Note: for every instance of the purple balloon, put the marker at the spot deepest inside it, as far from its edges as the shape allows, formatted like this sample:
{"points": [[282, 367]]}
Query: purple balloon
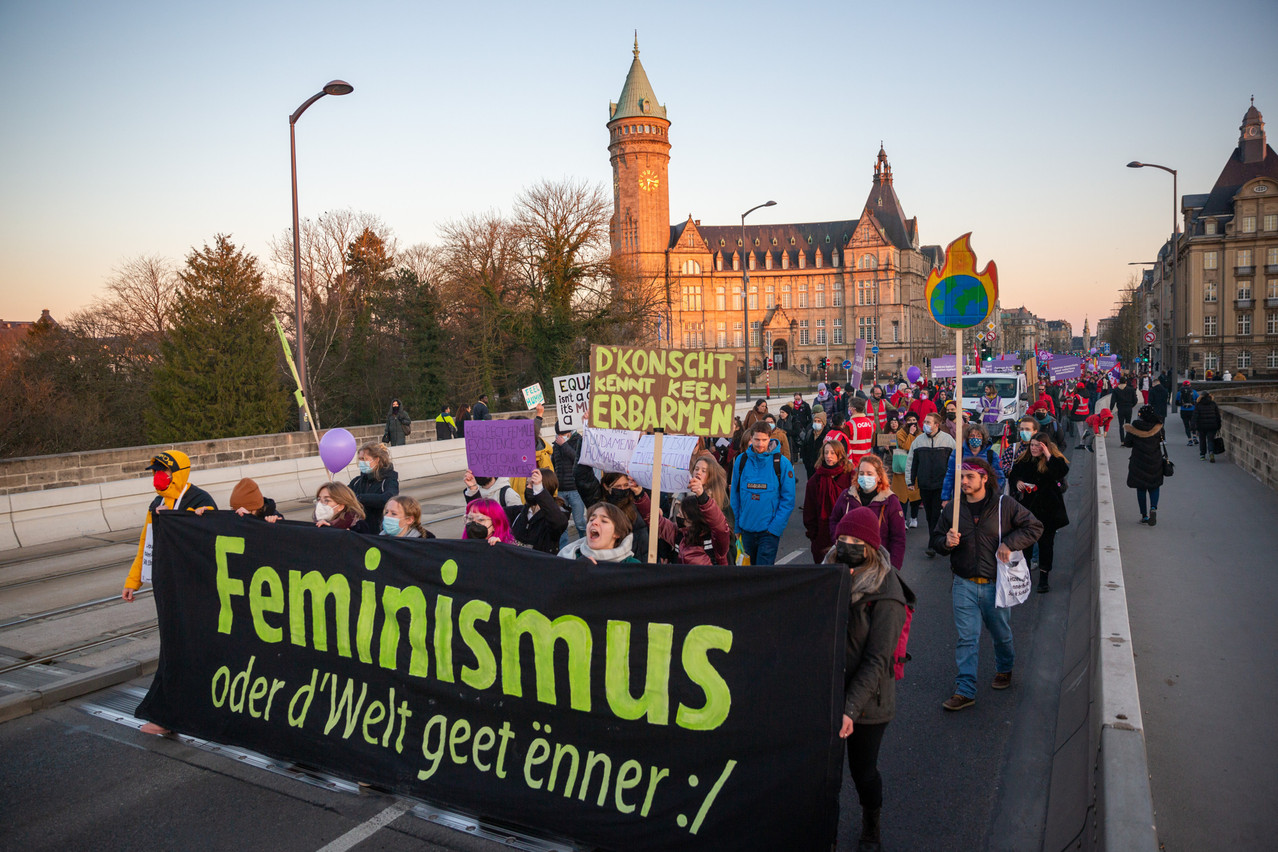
{"points": [[337, 448], [913, 374]]}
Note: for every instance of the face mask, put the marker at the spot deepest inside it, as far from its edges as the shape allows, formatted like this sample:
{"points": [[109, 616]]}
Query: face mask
{"points": [[323, 512], [476, 530], [161, 480], [1041, 418], [1026, 435], [618, 495], [849, 554], [365, 467], [974, 443], [867, 483], [390, 526], [950, 415], [927, 428], [922, 396]]}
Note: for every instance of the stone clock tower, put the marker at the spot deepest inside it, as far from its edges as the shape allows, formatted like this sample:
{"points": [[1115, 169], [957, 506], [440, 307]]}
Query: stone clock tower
{"points": [[639, 145]]}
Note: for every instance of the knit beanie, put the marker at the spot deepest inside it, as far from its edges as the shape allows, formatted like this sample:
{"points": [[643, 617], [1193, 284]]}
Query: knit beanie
{"points": [[246, 495], [862, 523]]}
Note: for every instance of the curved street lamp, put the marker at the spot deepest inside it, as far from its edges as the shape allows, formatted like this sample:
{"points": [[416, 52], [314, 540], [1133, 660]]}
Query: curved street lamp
{"points": [[333, 87], [1175, 362], [745, 293]]}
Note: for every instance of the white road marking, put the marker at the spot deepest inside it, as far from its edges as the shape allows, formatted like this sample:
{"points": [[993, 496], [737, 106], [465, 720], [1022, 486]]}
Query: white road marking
{"points": [[790, 557], [365, 830]]}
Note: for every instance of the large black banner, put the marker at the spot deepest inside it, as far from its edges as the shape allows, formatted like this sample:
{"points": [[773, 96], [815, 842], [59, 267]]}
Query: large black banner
{"points": [[624, 706]]}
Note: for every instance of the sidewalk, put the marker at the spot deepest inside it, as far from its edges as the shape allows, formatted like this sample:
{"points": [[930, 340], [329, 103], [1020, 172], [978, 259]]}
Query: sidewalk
{"points": [[1202, 593]]}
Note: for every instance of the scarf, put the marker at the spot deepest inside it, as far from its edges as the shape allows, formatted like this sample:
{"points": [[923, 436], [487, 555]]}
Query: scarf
{"points": [[624, 550], [827, 489]]}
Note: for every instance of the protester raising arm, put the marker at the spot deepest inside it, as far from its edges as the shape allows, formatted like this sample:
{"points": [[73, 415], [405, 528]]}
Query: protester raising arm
{"points": [[706, 538]]}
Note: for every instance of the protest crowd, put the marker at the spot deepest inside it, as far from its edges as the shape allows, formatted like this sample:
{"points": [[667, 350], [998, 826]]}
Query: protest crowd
{"points": [[869, 460]]}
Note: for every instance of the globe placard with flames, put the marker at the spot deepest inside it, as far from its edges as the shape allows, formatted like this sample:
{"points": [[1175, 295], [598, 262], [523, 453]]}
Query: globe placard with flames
{"points": [[958, 295]]}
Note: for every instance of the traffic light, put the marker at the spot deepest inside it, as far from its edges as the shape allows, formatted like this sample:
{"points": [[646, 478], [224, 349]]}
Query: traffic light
{"points": [[821, 362]]}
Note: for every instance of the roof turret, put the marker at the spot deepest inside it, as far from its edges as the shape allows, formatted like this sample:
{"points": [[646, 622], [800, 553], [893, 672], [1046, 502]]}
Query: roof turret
{"points": [[637, 99]]}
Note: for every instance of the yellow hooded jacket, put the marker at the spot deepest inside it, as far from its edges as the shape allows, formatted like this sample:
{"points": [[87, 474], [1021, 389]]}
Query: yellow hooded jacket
{"points": [[179, 495]]}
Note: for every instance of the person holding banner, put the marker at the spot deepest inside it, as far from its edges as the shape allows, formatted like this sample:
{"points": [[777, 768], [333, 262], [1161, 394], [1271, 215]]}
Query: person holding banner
{"points": [[173, 492], [609, 537], [926, 466], [402, 518], [377, 482], [486, 520], [762, 496], [494, 488], [876, 617], [337, 506]]}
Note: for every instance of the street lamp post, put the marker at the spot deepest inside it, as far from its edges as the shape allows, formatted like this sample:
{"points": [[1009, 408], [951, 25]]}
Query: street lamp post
{"points": [[745, 293], [1175, 365], [333, 87]]}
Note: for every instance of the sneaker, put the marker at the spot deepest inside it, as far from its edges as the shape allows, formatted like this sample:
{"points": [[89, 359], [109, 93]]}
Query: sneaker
{"points": [[1043, 587], [1191, 442], [1002, 680], [1153, 516], [957, 702], [1212, 458], [1080, 447], [1144, 519], [914, 522], [929, 553]]}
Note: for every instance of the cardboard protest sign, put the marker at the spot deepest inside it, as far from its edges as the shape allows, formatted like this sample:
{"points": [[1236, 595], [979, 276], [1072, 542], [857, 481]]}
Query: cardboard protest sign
{"points": [[943, 367], [501, 447], [608, 450], [572, 400], [533, 396], [676, 456], [612, 705], [682, 393], [1065, 368]]}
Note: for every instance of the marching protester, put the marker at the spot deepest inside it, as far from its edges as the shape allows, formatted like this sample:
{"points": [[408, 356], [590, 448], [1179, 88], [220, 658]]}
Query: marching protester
{"points": [[974, 549], [872, 490], [1158, 398], [951, 419], [480, 411], [495, 488], [543, 519], [907, 494], [876, 616], [486, 520], [337, 506], [877, 408], [1207, 421], [247, 500], [1047, 424], [926, 467], [1035, 479], [860, 429], [377, 482], [398, 425], [445, 426], [706, 537], [402, 517], [825, 486], [801, 414], [1080, 408], [1145, 466], [762, 496], [786, 426], [608, 537], [1123, 400], [976, 444], [779, 435], [1026, 428], [812, 448], [1186, 400], [628, 496], [921, 405], [563, 458], [756, 413]]}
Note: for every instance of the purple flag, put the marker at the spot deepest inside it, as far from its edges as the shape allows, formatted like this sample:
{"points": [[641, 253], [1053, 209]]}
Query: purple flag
{"points": [[858, 363]]}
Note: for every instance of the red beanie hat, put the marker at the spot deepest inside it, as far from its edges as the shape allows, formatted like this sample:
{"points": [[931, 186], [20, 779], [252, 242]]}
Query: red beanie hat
{"points": [[862, 523]]}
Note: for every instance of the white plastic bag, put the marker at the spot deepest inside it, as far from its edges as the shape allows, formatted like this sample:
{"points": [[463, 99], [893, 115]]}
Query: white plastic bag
{"points": [[1013, 576]]}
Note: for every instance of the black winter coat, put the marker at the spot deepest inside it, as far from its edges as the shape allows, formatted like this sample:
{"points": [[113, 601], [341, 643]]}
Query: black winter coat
{"points": [[874, 626], [1207, 415], [543, 529], [373, 494], [563, 458], [1124, 399], [1046, 501], [398, 425], [979, 541], [1145, 467], [1158, 397]]}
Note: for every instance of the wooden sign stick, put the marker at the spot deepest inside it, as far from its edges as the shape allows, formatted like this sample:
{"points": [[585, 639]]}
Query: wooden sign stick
{"points": [[958, 423], [654, 511]]}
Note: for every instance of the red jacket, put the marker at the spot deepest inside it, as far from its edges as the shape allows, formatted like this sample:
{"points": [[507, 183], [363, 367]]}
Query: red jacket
{"points": [[712, 550], [877, 410]]}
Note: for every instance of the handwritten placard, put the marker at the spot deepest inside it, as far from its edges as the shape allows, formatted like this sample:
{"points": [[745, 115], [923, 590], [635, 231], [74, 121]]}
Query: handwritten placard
{"points": [[572, 399], [608, 450], [676, 457], [680, 392], [500, 447], [533, 396]]}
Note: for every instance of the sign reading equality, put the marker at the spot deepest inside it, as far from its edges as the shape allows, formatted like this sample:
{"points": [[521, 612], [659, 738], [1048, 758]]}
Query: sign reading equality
{"points": [[572, 399], [680, 392], [611, 704]]}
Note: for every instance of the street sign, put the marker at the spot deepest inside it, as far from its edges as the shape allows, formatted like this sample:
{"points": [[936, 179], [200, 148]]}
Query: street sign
{"points": [[874, 349], [1150, 337], [990, 335], [990, 325], [1149, 326], [768, 362], [980, 335], [847, 365]]}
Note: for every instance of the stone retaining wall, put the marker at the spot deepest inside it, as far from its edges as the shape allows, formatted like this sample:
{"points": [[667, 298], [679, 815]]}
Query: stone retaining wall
{"points": [[1250, 432], [40, 473]]}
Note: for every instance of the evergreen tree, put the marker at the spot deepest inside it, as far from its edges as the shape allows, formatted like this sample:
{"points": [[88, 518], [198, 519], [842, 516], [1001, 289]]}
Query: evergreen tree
{"points": [[219, 373]]}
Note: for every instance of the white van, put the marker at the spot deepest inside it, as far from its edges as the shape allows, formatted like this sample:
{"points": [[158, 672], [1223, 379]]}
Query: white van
{"points": [[1013, 400]]}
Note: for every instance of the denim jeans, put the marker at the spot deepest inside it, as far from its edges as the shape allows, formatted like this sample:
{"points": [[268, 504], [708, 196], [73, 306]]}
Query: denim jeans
{"points": [[974, 604], [578, 508], [1140, 500], [761, 547]]}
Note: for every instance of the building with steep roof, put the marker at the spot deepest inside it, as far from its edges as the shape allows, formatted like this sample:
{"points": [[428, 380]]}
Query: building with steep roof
{"points": [[1227, 306], [814, 287]]}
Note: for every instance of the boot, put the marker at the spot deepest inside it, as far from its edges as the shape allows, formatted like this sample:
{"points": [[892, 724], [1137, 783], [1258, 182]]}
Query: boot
{"points": [[1043, 585], [870, 831]]}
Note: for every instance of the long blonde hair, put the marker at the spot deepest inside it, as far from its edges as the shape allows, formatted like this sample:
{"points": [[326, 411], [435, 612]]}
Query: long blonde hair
{"points": [[344, 496], [412, 512]]}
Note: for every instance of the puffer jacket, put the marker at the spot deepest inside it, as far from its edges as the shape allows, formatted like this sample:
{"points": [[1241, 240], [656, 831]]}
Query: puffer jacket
{"points": [[875, 621], [1207, 415], [927, 461], [1145, 467], [978, 528], [563, 457]]}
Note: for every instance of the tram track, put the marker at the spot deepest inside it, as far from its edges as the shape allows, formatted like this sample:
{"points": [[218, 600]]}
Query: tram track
{"points": [[78, 649]]}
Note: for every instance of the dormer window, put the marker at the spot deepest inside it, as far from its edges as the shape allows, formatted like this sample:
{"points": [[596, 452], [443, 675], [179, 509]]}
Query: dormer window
{"points": [[1209, 227]]}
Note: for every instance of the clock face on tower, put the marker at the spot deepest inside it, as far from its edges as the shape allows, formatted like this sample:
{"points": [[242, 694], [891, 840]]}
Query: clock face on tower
{"points": [[648, 180]]}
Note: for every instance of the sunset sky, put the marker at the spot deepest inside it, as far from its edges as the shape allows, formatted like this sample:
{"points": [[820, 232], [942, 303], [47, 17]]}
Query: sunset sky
{"points": [[147, 128]]}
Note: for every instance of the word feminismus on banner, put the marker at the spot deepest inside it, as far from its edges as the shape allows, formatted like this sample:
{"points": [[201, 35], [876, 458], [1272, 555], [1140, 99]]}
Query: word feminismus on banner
{"points": [[679, 392], [617, 705]]}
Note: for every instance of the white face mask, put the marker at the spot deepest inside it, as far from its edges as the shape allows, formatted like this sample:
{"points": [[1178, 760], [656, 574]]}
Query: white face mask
{"points": [[323, 512]]}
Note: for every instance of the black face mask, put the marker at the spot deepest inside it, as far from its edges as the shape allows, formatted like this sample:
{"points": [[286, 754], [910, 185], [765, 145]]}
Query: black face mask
{"points": [[617, 496], [950, 415], [851, 555], [476, 530]]}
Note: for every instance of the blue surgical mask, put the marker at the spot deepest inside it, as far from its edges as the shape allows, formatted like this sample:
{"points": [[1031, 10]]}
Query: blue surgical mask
{"points": [[365, 467], [867, 483], [390, 526], [927, 428], [974, 443], [1026, 435]]}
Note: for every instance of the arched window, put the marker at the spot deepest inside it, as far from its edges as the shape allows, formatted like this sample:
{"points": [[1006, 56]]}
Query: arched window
{"points": [[691, 267], [869, 261]]}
